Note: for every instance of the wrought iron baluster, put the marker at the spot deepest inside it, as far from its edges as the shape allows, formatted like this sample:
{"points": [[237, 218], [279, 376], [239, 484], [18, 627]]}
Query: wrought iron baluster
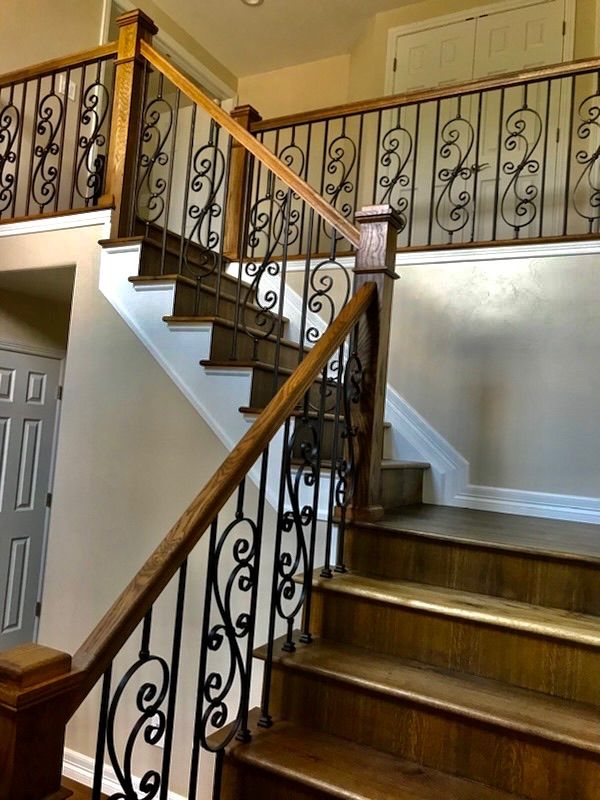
{"points": [[573, 86], [397, 146], [10, 128], [94, 105], [549, 85], [101, 739], [524, 127], [498, 162], [586, 193], [342, 158], [50, 111], [452, 207]]}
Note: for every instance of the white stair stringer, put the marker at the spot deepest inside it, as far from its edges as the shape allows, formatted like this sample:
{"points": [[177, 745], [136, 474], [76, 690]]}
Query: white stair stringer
{"points": [[216, 393]]}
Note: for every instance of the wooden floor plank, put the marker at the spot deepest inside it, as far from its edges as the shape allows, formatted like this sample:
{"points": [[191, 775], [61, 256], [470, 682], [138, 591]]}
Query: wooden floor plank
{"points": [[575, 540]]}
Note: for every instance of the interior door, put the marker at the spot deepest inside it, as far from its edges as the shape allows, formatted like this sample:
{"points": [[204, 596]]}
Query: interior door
{"points": [[28, 399], [524, 140]]}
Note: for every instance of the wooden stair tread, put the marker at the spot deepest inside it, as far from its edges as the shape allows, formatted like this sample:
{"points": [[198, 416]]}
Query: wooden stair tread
{"points": [[553, 538], [343, 769], [255, 411], [487, 701], [171, 278], [554, 623]]}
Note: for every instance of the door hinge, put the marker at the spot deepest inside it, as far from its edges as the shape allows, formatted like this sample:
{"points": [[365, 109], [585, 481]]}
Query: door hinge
{"points": [[59, 391], [564, 27], [557, 135], [395, 66], [38, 609], [49, 500]]}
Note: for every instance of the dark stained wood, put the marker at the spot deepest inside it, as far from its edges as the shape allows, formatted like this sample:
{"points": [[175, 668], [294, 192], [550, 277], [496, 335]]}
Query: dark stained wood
{"points": [[100, 53], [375, 261], [114, 629], [79, 792], [509, 738], [245, 138], [393, 101], [239, 164], [36, 691], [546, 650], [134, 28], [295, 763]]}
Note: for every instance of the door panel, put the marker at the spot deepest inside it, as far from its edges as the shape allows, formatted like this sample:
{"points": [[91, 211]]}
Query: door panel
{"points": [[437, 56], [28, 390], [520, 39]]}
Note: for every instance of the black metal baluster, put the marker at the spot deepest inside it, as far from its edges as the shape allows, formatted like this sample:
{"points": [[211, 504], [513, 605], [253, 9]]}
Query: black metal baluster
{"points": [[33, 141], [78, 131], [326, 572], [478, 166], [186, 196], [569, 156], [545, 156], [434, 171], [61, 146], [138, 150], [499, 159], [414, 175], [378, 146], [174, 677], [307, 264], [101, 739], [169, 186]]}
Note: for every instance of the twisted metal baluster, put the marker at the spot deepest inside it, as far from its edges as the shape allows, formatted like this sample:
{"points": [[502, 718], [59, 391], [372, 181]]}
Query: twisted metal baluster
{"points": [[10, 125], [397, 146], [154, 158], [586, 193], [452, 207], [524, 127], [50, 115], [89, 172]]}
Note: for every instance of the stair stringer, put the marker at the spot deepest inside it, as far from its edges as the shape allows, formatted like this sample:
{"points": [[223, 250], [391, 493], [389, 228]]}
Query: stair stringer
{"points": [[216, 394]]}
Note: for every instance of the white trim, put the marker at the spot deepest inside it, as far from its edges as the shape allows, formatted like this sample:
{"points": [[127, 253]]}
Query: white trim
{"points": [[459, 16], [79, 767], [413, 438], [186, 61], [32, 350], [105, 21], [65, 222], [573, 508]]}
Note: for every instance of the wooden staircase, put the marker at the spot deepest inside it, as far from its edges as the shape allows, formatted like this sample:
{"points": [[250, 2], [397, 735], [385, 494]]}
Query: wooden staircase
{"points": [[457, 659]]}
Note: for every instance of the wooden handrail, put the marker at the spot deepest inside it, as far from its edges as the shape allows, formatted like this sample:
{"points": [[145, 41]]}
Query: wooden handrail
{"points": [[115, 628], [262, 153], [100, 53], [410, 98]]}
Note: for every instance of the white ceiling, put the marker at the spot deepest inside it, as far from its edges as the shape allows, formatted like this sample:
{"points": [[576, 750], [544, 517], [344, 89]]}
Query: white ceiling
{"points": [[277, 34]]}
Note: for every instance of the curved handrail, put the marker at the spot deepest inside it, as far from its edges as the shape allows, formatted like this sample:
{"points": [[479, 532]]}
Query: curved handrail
{"points": [[504, 81], [262, 153], [115, 628]]}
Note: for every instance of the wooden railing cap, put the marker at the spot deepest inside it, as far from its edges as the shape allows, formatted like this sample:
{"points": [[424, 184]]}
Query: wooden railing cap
{"points": [[136, 15], [31, 664], [378, 213]]}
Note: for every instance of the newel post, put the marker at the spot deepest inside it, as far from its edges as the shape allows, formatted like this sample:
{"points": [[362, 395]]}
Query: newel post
{"points": [[128, 99], [375, 261], [36, 696], [238, 180]]}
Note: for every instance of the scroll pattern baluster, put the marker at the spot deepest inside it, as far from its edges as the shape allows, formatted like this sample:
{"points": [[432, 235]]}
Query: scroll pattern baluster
{"points": [[454, 205], [154, 158], [397, 148], [89, 172], [586, 194], [10, 129], [46, 151]]}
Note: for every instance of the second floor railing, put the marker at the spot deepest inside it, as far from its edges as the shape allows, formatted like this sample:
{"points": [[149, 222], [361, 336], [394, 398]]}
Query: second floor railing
{"points": [[510, 158]]}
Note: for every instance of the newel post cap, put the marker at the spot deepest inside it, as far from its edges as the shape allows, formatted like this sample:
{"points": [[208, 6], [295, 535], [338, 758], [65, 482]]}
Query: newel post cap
{"points": [[379, 228], [137, 17], [382, 213], [31, 664]]}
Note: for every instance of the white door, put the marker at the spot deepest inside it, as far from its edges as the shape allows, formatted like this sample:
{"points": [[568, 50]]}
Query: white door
{"points": [[28, 400], [458, 143]]}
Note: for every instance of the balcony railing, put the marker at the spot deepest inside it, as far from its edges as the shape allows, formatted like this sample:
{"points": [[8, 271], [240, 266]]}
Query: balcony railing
{"points": [[506, 159]]}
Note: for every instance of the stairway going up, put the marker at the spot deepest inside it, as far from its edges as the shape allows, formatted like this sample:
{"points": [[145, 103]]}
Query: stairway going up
{"points": [[458, 659]]}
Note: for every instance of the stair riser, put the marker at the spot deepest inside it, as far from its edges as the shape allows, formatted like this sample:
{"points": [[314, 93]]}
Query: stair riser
{"points": [[243, 782], [536, 579], [223, 342], [561, 668], [513, 762], [401, 487], [262, 390]]}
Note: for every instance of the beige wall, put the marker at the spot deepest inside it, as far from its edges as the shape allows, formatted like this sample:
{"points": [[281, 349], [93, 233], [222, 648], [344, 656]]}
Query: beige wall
{"points": [[32, 321], [316, 84], [132, 453], [500, 358], [36, 30]]}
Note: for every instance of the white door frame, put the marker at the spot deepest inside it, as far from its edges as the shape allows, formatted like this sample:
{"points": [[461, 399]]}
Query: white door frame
{"points": [[476, 11], [58, 355]]}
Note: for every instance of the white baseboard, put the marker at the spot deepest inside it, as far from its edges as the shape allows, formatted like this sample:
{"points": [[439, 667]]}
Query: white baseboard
{"points": [[80, 768], [572, 508]]}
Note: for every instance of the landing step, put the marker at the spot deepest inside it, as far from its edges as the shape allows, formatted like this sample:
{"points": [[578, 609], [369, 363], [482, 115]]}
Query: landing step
{"points": [[556, 538], [230, 325], [330, 767], [480, 699], [581, 629]]}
